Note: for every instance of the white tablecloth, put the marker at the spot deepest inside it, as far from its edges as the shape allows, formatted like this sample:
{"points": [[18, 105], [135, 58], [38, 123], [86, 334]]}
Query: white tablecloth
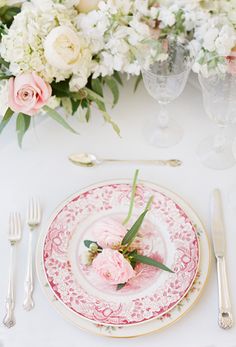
{"points": [[42, 168]]}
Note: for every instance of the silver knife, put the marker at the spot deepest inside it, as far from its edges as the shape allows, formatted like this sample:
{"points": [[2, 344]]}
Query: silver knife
{"points": [[219, 243]]}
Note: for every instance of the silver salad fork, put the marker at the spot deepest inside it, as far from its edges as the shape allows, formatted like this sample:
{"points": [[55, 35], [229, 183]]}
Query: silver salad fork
{"points": [[33, 220], [14, 236]]}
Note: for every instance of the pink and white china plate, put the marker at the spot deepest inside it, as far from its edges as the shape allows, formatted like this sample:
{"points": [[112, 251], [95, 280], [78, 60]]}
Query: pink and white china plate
{"points": [[168, 234]]}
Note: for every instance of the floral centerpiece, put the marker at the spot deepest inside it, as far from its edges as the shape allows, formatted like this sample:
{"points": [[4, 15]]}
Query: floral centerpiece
{"points": [[63, 53]]}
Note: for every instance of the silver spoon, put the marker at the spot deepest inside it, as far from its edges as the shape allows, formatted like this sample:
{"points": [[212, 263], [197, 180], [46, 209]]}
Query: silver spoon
{"points": [[89, 160]]}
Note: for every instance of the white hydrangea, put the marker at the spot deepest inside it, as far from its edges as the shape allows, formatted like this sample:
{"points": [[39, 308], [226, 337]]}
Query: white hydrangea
{"points": [[23, 45], [167, 17]]}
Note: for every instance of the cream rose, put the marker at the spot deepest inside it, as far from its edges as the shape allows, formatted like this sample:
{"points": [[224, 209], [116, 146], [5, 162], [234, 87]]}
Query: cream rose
{"points": [[63, 48], [86, 6]]}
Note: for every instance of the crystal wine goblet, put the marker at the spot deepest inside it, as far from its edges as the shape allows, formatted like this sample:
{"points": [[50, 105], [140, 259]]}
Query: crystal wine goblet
{"points": [[165, 67], [219, 98]]}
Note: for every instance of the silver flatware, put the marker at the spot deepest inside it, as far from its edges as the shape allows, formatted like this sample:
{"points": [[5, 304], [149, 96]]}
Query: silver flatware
{"points": [[89, 160], [14, 236], [218, 234], [33, 220]]}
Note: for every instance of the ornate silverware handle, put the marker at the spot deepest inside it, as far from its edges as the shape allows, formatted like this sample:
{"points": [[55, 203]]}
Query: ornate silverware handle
{"points": [[225, 312], [29, 282], [9, 319], [168, 162]]}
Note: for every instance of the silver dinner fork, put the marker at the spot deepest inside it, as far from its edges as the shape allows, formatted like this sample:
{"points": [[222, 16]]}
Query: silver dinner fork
{"points": [[14, 236], [33, 220]]}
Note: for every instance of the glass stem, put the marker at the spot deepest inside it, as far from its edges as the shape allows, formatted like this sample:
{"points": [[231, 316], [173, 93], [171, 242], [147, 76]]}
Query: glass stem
{"points": [[163, 117], [220, 140]]}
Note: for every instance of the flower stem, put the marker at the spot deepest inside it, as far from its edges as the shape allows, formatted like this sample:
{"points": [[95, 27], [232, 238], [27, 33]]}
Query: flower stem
{"points": [[131, 206]]}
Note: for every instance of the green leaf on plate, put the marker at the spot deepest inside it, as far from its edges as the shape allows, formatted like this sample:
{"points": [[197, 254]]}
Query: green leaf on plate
{"points": [[87, 243], [112, 85], [6, 118], [132, 232], [131, 204], [58, 118], [120, 286], [22, 125], [149, 261]]}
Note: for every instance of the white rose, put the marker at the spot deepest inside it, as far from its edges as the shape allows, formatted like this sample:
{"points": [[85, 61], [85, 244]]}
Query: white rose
{"points": [[86, 6], [63, 48]]}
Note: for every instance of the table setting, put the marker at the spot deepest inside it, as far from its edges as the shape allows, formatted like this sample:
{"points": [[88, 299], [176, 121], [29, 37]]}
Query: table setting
{"points": [[118, 192]]}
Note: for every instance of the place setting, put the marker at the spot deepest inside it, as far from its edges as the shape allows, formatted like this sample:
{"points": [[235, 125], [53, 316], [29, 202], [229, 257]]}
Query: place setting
{"points": [[121, 258], [117, 249]]}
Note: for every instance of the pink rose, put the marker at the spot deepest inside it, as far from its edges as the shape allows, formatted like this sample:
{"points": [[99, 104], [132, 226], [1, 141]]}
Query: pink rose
{"points": [[108, 232], [28, 93], [112, 267]]}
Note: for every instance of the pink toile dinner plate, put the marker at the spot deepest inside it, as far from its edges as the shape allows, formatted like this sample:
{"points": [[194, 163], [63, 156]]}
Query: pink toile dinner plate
{"points": [[168, 234]]}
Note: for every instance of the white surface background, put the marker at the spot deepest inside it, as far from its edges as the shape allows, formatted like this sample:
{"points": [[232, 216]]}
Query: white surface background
{"points": [[42, 168]]}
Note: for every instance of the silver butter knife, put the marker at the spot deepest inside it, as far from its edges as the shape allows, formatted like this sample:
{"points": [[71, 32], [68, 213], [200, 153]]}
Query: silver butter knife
{"points": [[219, 243]]}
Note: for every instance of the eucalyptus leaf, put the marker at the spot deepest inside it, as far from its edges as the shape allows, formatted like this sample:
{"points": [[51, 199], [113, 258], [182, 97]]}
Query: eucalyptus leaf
{"points": [[88, 114], [58, 118], [22, 125], [93, 96], [112, 84], [137, 82], [120, 286], [109, 120], [97, 86], [117, 77], [6, 118], [132, 232], [75, 104], [88, 243], [149, 261]]}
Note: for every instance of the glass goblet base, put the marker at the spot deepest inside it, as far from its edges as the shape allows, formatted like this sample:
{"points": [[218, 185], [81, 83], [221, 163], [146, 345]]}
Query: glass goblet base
{"points": [[216, 158], [163, 136]]}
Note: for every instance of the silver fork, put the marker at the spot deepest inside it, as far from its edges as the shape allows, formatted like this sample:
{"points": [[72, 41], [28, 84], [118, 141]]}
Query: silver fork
{"points": [[14, 236], [33, 220]]}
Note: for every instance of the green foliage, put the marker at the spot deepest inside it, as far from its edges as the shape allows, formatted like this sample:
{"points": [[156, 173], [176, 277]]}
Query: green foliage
{"points": [[22, 125], [58, 118], [6, 118]]}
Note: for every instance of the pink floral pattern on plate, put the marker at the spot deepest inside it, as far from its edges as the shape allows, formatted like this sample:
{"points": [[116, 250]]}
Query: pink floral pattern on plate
{"points": [[156, 297]]}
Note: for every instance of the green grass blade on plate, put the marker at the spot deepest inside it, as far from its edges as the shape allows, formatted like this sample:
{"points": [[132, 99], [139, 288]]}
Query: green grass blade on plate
{"points": [[149, 261], [132, 232], [131, 205]]}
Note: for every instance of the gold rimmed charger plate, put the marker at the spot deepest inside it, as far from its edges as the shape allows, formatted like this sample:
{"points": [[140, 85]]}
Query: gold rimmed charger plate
{"points": [[149, 326]]}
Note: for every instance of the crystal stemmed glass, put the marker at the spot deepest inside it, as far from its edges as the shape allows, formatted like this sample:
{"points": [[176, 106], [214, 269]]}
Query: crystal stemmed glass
{"points": [[165, 76], [219, 98]]}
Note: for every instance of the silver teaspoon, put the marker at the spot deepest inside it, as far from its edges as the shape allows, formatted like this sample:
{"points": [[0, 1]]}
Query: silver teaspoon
{"points": [[89, 160]]}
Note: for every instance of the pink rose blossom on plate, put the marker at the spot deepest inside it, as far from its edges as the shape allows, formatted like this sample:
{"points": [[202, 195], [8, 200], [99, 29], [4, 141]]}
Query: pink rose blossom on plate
{"points": [[112, 267], [28, 92], [108, 232]]}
